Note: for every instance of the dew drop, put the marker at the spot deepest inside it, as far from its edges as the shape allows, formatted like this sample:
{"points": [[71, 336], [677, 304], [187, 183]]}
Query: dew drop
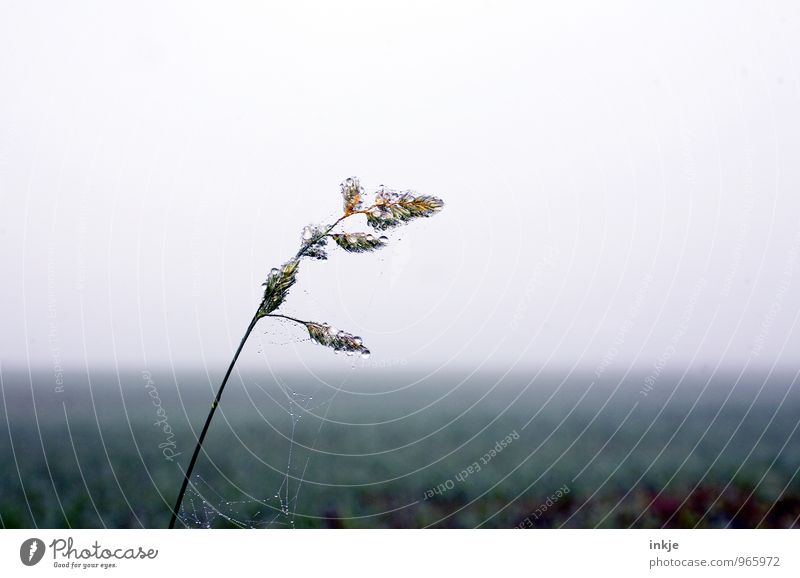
{"points": [[383, 239], [365, 354], [357, 340], [369, 237], [350, 353], [273, 271], [341, 334], [332, 330]]}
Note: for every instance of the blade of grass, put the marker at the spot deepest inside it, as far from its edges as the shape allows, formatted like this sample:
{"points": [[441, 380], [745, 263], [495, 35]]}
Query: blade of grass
{"points": [[188, 473]]}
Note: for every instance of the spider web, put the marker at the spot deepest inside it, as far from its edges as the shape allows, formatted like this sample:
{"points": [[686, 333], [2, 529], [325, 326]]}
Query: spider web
{"points": [[205, 507]]}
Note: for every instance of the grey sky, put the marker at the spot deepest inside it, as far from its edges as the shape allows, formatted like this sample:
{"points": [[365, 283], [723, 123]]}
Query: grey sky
{"points": [[621, 181]]}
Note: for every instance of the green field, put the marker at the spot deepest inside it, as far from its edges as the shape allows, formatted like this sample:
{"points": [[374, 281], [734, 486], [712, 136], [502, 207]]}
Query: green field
{"points": [[380, 448]]}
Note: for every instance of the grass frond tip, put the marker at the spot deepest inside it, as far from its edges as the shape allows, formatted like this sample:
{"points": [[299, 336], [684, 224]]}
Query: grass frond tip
{"points": [[277, 286], [313, 242], [329, 336], [352, 191], [392, 209], [358, 242]]}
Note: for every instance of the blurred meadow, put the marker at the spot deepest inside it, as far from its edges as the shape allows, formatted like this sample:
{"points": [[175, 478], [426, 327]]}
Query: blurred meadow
{"points": [[377, 447]]}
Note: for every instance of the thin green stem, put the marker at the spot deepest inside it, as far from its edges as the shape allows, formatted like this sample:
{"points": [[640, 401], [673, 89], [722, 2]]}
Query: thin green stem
{"points": [[298, 321], [188, 474]]}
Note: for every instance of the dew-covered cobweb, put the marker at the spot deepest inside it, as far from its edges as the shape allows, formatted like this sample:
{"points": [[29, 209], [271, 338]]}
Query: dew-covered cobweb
{"points": [[205, 504]]}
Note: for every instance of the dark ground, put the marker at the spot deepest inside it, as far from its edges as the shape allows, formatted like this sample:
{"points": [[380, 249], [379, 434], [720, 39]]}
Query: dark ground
{"points": [[685, 456]]}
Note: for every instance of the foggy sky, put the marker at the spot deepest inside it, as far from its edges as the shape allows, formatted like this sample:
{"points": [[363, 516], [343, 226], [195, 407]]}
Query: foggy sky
{"points": [[621, 182]]}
